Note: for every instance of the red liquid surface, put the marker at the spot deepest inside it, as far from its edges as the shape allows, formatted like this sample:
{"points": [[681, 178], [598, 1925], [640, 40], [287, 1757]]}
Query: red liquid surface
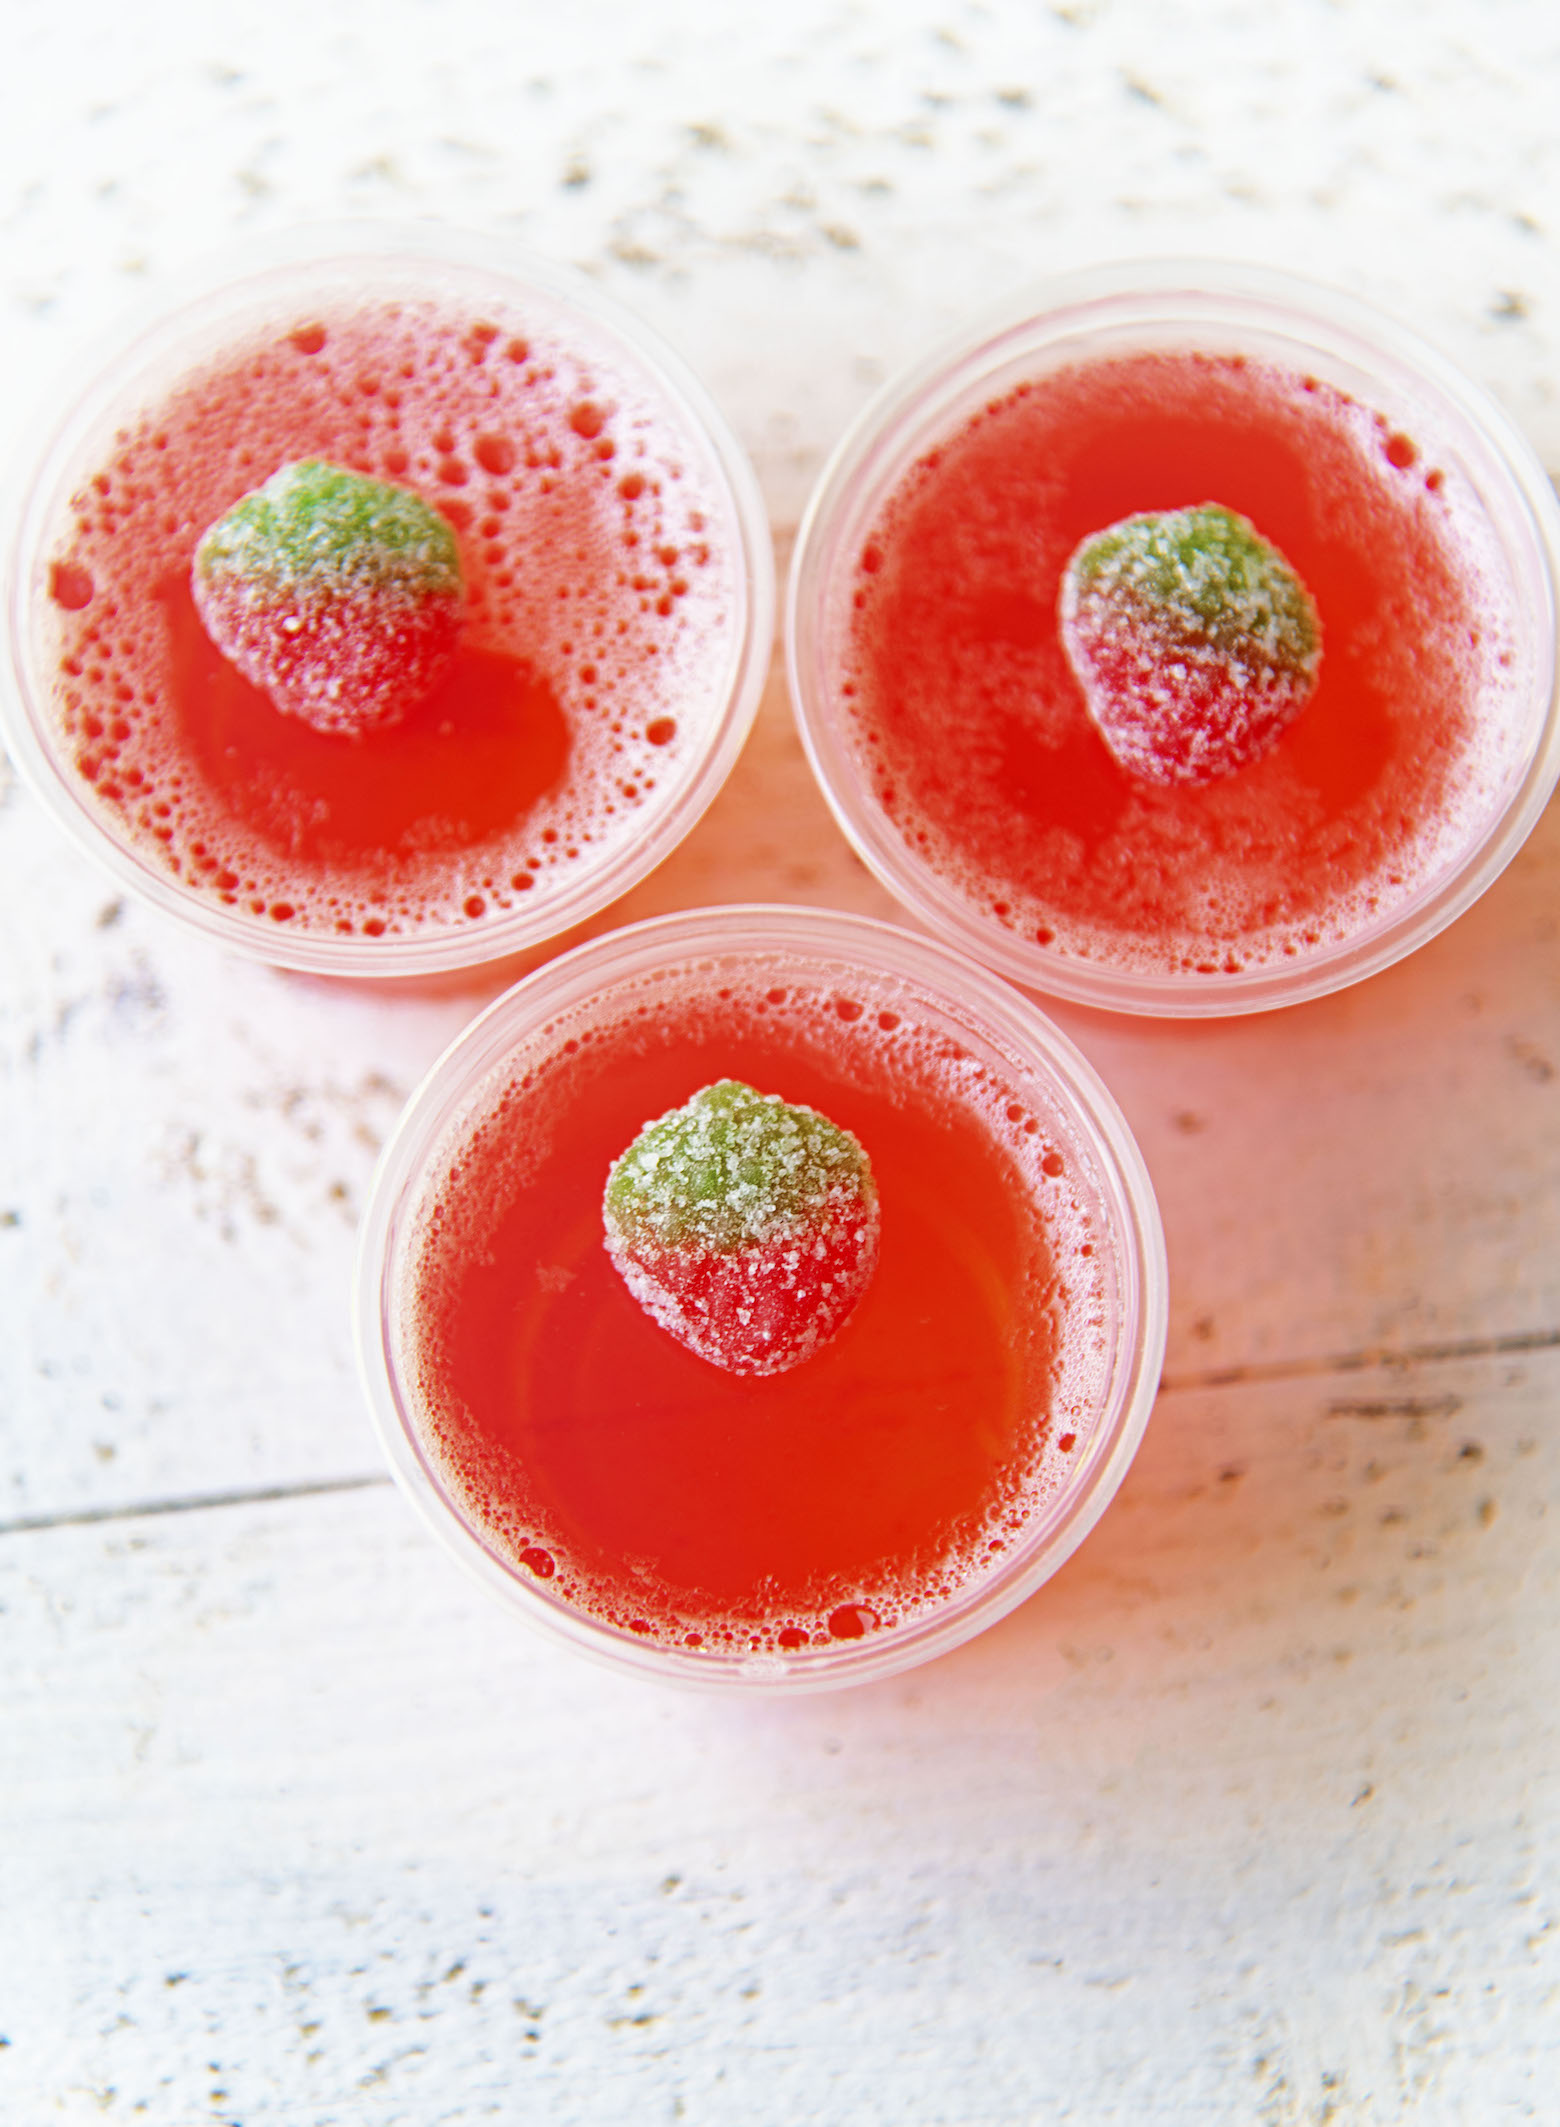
{"points": [[694, 1507], [973, 733], [594, 639]]}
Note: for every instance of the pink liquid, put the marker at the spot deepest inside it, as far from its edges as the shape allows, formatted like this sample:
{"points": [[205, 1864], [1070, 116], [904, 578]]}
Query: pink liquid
{"points": [[667, 1498], [972, 733], [596, 633]]}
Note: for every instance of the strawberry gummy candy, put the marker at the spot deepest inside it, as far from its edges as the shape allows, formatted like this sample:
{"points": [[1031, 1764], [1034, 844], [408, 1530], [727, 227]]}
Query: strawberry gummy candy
{"points": [[746, 1227], [1194, 641], [337, 595]]}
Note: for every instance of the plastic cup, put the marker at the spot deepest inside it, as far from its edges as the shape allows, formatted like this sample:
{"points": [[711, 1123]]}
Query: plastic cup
{"points": [[586, 400], [1409, 400], [1005, 1059]]}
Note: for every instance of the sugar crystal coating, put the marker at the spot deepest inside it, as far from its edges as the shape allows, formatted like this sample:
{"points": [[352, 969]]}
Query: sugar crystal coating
{"points": [[339, 596], [745, 1226], [1195, 643]]}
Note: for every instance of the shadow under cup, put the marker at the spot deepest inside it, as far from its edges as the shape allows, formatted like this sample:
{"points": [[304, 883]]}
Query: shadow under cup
{"points": [[952, 740], [878, 1503], [618, 607]]}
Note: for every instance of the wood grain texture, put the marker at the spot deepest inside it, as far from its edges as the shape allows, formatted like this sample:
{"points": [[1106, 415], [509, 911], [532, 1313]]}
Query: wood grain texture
{"points": [[1251, 1816], [1260, 1789]]}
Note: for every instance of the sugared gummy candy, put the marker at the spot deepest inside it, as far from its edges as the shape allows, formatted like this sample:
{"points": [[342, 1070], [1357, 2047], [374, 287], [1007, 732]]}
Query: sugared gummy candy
{"points": [[339, 596], [745, 1226], [1194, 641]]}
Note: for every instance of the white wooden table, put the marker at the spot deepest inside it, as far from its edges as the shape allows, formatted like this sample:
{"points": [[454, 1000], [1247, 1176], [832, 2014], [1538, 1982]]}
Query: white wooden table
{"points": [[1252, 1815]]}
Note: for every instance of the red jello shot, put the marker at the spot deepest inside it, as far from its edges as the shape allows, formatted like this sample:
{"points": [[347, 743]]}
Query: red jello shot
{"points": [[881, 1418], [1182, 642], [393, 607]]}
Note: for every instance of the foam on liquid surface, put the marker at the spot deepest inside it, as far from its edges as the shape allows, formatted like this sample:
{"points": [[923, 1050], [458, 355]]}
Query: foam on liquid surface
{"points": [[598, 630], [973, 736], [847, 1422]]}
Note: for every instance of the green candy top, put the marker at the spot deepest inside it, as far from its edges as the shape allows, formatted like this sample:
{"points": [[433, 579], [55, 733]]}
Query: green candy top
{"points": [[732, 1168], [318, 530], [1213, 577]]}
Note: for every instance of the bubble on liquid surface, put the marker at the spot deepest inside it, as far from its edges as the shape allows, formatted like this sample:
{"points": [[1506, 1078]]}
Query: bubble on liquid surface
{"points": [[602, 573]]}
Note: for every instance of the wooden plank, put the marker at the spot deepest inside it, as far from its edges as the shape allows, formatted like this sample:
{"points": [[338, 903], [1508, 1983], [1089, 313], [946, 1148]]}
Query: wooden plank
{"points": [[1250, 1817], [1262, 1788], [1379, 1170]]}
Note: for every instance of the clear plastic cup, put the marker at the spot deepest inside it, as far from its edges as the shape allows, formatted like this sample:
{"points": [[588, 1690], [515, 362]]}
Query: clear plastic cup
{"points": [[619, 634], [1429, 425], [1082, 1314]]}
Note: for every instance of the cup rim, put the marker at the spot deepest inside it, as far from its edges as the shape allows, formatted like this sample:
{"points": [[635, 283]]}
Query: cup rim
{"points": [[878, 448], [978, 999], [104, 379]]}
